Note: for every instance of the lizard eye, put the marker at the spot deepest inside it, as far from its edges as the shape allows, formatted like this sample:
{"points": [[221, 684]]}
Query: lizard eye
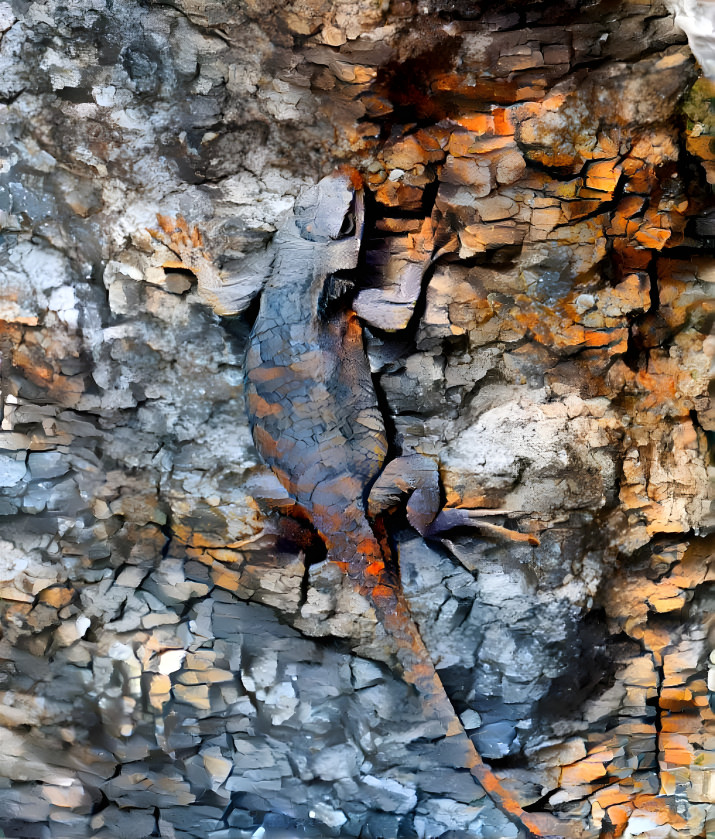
{"points": [[348, 226]]}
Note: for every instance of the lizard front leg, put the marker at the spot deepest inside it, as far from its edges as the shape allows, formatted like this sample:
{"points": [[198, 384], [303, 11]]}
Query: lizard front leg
{"points": [[227, 295], [417, 477]]}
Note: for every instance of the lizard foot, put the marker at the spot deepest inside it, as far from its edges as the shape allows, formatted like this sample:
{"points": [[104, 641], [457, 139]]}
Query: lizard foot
{"points": [[187, 243], [227, 295], [452, 517]]}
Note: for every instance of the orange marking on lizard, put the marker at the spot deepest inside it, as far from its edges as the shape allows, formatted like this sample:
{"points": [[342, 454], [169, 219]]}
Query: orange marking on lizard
{"points": [[261, 407], [382, 591], [356, 179], [265, 374], [265, 442]]}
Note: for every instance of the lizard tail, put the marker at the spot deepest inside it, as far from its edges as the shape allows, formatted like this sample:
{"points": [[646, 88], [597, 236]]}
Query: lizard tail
{"points": [[417, 669], [374, 582]]}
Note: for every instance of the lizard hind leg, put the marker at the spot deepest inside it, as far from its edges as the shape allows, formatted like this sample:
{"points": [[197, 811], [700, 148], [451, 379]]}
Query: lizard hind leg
{"points": [[415, 476]]}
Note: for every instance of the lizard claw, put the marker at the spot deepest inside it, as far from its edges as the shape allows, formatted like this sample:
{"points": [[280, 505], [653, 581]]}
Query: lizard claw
{"points": [[176, 234]]}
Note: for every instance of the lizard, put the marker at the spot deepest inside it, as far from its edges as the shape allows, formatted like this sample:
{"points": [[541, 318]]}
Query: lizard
{"points": [[316, 422]]}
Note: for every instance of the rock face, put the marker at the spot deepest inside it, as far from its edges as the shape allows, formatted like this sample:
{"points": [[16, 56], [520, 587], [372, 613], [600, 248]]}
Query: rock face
{"points": [[555, 359]]}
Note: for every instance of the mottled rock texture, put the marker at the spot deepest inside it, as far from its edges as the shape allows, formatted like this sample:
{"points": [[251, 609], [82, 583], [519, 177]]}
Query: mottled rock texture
{"points": [[555, 360]]}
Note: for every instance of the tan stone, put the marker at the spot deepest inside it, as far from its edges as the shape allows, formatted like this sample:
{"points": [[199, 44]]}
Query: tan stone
{"points": [[196, 695], [496, 208], [469, 172]]}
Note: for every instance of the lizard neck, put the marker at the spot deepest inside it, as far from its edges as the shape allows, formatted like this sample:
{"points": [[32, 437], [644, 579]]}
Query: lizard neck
{"points": [[301, 270]]}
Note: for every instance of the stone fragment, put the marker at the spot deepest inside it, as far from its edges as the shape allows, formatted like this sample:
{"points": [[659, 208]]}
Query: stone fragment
{"points": [[328, 815], [123, 824], [45, 465], [496, 208], [469, 172], [12, 470], [408, 153], [510, 167], [389, 795], [336, 762]]}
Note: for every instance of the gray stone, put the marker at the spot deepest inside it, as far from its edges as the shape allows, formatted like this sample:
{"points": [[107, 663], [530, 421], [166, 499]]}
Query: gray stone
{"points": [[12, 469], [45, 465], [337, 762], [494, 740]]}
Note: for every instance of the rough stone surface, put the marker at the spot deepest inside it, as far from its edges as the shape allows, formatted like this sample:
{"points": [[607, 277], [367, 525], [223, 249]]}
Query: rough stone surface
{"points": [[555, 359]]}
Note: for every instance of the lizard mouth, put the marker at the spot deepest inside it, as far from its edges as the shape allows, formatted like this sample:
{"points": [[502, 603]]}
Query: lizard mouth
{"points": [[354, 221], [337, 293]]}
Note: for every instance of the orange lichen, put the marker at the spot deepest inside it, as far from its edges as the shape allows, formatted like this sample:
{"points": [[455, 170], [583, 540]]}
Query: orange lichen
{"points": [[582, 772], [226, 578], [477, 123]]}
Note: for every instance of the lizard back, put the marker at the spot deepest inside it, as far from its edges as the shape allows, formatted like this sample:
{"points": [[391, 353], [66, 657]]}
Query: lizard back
{"points": [[310, 398]]}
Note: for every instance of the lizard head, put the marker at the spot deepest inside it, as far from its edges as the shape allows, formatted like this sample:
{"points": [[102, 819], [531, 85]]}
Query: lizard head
{"points": [[332, 210], [330, 216]]}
